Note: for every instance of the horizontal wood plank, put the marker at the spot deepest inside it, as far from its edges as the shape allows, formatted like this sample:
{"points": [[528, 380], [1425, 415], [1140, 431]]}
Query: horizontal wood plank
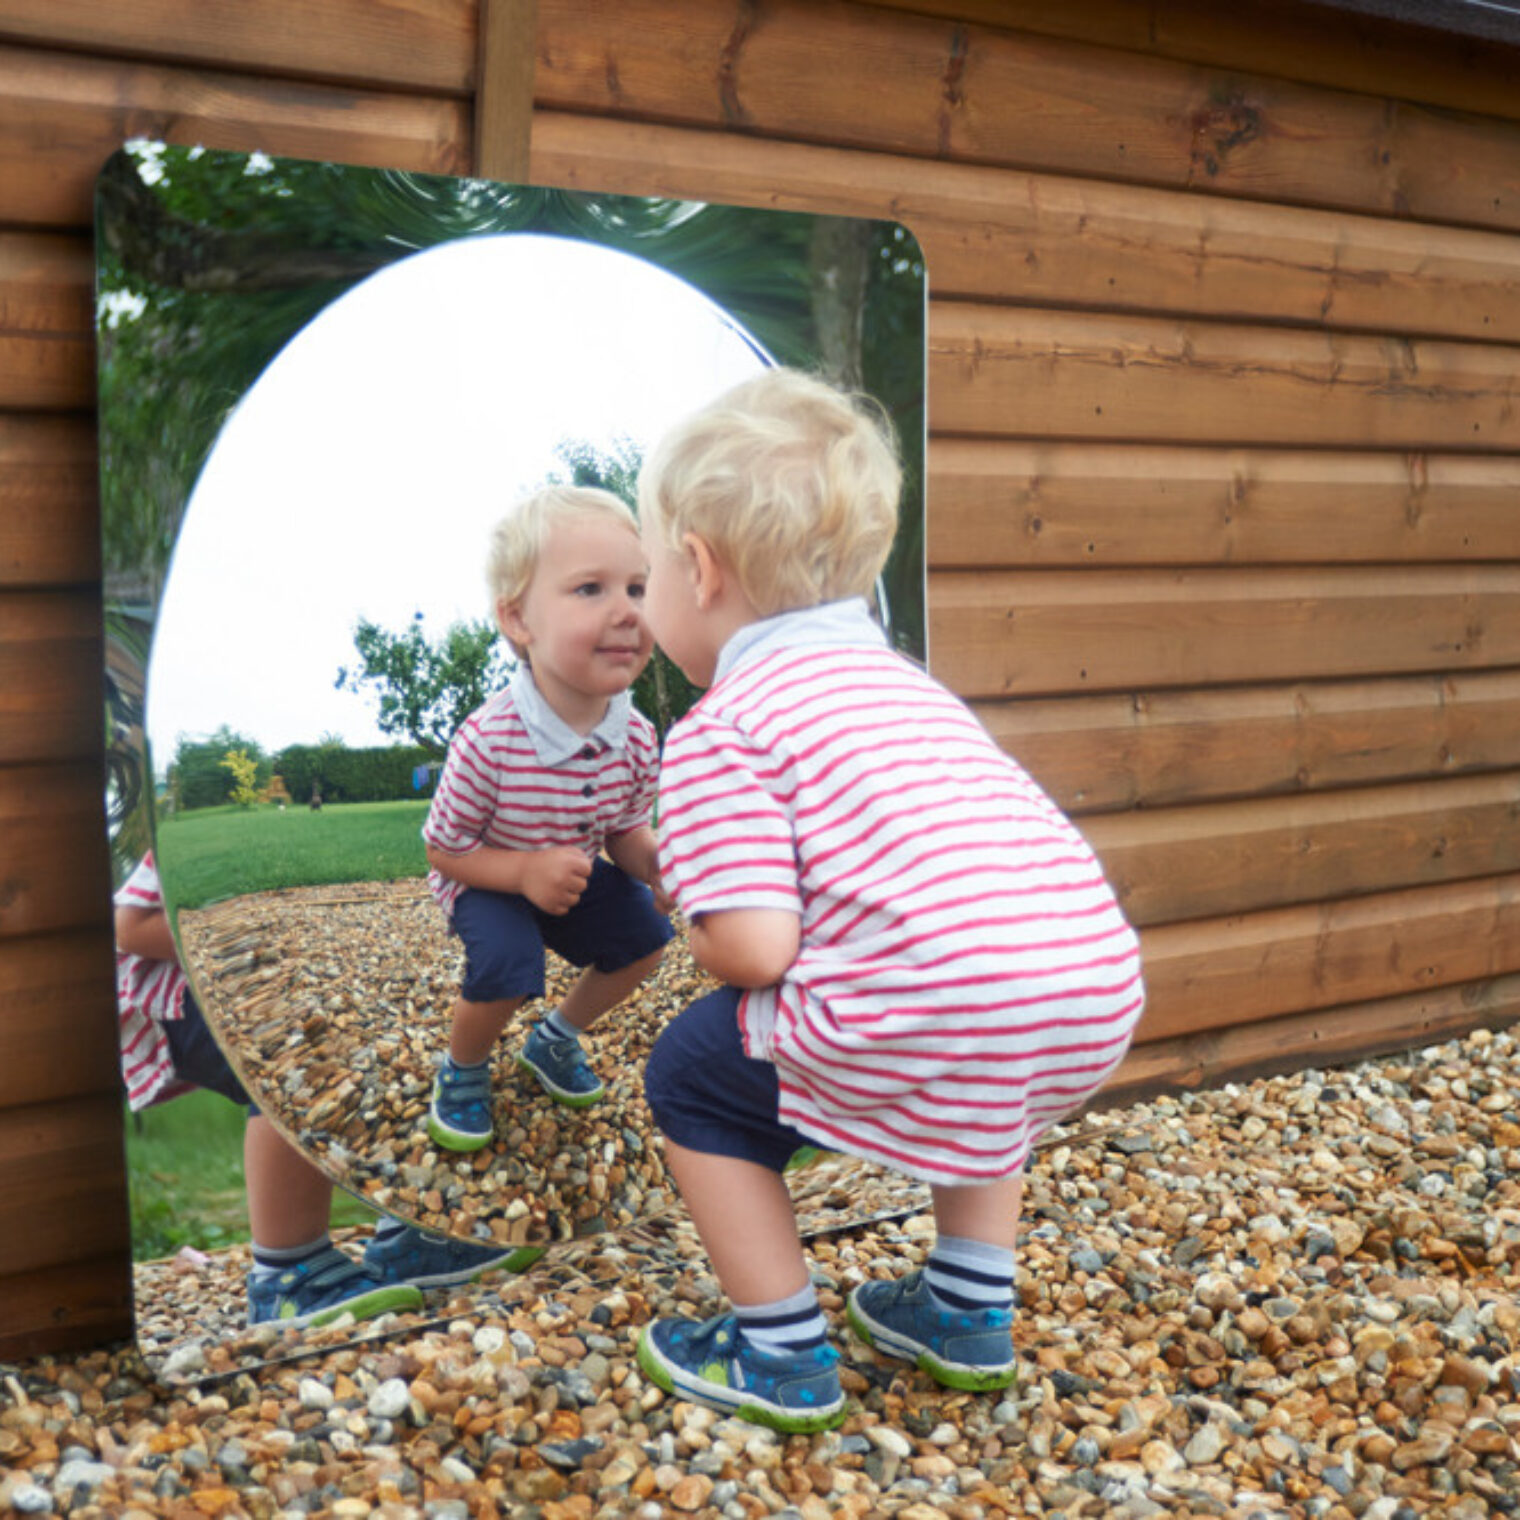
{"points": [[1161, 748], [54, 871], [1042, 374], [1315, 44], [67, 1306], [1034, 503], [49, 501], [424, 45], [1047, 632], [47, 352], [995, 234], [50, 676], [61, 117], [1235, 971], [61, 1169], [1172, 864], [853, 76], [58, 1036], [1324, 1038]]}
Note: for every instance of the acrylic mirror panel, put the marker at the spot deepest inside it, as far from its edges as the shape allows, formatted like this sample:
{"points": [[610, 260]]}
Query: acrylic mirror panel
{"points": [[319, 386]]}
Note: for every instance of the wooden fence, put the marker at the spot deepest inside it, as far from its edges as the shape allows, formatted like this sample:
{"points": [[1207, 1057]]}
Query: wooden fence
{"points": [[1224, 523]]}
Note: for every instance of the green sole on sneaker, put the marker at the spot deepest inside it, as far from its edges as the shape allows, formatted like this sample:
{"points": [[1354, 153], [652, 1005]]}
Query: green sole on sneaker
{"points": [[558, 1094], [957, 1375], [787, 1421], [454, 1140], [394, 1299]]}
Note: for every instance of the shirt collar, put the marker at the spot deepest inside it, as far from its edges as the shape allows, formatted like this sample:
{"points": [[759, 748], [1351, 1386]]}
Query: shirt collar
{"points": [[848, 623], [553, 740]]}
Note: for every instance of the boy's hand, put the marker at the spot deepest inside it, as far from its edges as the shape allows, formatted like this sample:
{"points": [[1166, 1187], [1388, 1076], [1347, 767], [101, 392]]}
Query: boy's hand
{"points": [[554, 880]]}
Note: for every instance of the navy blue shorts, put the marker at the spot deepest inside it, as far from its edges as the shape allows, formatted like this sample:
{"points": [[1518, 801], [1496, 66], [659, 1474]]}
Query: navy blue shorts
{"points": [[708, 1096], [198, 1058], [613, 925]]}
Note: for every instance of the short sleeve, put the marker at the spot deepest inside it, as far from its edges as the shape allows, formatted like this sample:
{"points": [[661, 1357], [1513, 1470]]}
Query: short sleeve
{"points": [[461, 807], [726, 834]]}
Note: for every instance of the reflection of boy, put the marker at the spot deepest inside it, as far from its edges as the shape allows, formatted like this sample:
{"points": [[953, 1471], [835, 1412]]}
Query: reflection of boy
{"points": [[298, 1277], [538, 782], [925, 965]]}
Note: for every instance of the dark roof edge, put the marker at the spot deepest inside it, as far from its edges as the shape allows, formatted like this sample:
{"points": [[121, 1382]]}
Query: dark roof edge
{"points": [[1490, 20]]}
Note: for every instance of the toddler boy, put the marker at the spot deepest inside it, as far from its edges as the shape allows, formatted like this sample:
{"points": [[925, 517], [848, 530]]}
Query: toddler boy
{"points": [[538, 782], [924, 964]]}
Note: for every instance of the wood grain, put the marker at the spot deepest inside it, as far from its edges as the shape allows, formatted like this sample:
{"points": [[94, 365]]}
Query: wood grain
{"points": [[1060, 375], [1034, 503], [1164, 748], [504, 92], [62, 115], [54, 872], [67, 1306], [1173, 864], [58, 1036], [824, 71], [423, 45], [50, 676], [1006, 633], [49, 502], [47, 353], [1236, 971]]}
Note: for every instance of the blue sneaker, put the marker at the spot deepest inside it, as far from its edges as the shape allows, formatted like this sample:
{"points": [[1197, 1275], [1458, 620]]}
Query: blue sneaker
{"points": [[712, 1364], [970, 1350], [561, 1069], [459, 1117], [316, 1291], [434, 1261]]}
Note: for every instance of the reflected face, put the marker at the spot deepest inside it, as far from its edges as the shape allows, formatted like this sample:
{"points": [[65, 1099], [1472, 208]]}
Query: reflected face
{"points": [[672, 606], [581, 620]]}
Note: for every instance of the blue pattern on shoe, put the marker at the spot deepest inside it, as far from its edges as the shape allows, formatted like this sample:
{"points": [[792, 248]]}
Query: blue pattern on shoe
{"points": [[434, 1261], [459, 1117], [323, 1287], [971, 1349], [561, 1069], [711, 1363]]}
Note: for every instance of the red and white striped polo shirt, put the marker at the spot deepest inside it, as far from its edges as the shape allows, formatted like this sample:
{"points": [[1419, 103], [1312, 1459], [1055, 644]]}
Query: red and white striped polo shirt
{"points": [[148, 992], [965, 976], [518, 777]]}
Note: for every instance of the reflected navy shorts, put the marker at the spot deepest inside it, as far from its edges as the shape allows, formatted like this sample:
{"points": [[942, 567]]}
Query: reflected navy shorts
{"points": [[198, 1058], [613, 925], [707, 1095]]}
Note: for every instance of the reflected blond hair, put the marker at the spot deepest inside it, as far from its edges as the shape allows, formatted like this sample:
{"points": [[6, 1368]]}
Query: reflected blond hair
{"points": [[518, 539], [793, 483]]}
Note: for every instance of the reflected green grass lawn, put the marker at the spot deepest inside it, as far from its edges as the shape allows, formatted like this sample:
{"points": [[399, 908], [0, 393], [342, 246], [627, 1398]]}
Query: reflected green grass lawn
{"points": [[185, 1169], [216, 853]]}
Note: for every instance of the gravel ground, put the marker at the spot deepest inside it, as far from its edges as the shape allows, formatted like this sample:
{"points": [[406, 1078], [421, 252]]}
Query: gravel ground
{"points": [[1294, 1297]]}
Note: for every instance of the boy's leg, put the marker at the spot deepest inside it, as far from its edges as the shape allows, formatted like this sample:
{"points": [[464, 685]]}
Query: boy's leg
{"points": [[299, 1277], [504, 967], [952, 1318], [618, 936], [769, 1360]]}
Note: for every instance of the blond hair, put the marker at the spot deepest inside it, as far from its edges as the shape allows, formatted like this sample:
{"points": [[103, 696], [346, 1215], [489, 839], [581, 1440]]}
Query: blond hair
{"points": [[793, 483], [518, 539]]}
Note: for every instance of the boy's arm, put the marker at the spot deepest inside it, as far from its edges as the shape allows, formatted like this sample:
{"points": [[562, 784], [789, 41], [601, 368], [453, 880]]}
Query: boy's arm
{"points": [[145, 932], [746, 947], [637, 853], [551, 879]]}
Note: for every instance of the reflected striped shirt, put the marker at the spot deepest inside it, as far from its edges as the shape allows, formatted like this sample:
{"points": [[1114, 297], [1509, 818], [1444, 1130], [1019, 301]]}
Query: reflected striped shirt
{"points": [[148, 992], [518, 777], [965, 977]]}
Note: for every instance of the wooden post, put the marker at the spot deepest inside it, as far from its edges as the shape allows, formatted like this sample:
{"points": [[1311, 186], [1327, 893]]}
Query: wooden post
{"points": [[504, 88]]}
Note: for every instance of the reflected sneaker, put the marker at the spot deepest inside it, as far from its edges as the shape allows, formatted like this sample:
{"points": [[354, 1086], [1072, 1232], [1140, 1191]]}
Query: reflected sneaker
{"points": [[434, 1261], [459, 1117], [971, 1350], [561, 1069], [712, 1364], [323, 1287]]}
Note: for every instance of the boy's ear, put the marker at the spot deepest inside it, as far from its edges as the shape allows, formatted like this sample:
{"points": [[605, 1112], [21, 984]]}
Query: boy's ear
{"points": [[707, 571], [509, 620]]}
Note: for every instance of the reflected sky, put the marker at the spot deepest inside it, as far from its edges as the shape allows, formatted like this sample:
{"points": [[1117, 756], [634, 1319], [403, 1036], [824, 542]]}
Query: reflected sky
{"points": [[432, 393]]}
